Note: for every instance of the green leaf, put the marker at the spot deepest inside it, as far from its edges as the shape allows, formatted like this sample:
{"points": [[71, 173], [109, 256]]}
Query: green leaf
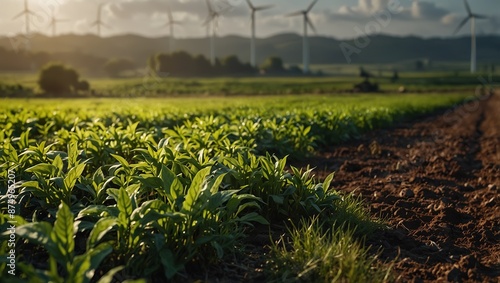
{"points": [[198, 186], [108, 277], [62, 234], [253, 217], [171, 266], [219, 198], [278, 199], [58, 163], [31, 184], [328, 181], [218, 249], [84, 266], [121, 160], [100, 229], [246, 205], [37, 233], [98, 211], [123, 203], [151, 182], [215, 183], [72, 153], [73, 175], [167, 177], [43, 169]]}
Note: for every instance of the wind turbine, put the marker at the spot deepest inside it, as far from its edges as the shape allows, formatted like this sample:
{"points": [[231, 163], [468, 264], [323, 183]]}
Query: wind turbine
{"points": [[254, 9], [213, 18], [305, 40], [472, 17], [98, 23], [53, 23], [170, 23], [27, 13]]}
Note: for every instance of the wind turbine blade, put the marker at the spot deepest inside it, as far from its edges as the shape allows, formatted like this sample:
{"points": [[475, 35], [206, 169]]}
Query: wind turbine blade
{"points": [[480, 16], [260, 8], [169, 14], [250, 5], [461, 25], [18, 15], [209, 5], [208, 21], [99, 9], [469, 11], [294, 14], [310, 24], [311, 6]]}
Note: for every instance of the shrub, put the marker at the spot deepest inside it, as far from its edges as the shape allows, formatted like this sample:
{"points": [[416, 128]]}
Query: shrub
{"points": [[83, 85], [56, 78]]}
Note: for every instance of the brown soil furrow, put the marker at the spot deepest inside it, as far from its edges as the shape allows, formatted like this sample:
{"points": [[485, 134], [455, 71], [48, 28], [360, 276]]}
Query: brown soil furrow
{"points": [[436, 183]]}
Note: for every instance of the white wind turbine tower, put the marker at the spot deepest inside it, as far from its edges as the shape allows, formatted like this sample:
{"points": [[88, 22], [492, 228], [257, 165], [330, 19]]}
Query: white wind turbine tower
{"points": [[472, 17], [98, 22], [170, 23], [53, 23], [27, 13], [252, 41], [213, 18], [305, 39]]}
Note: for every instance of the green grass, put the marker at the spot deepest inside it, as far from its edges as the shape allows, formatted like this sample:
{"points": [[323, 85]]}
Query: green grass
{"points": [[313, 252], [169, 86]]}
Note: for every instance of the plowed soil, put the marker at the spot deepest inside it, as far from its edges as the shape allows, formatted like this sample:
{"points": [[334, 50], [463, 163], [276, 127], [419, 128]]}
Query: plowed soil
{"points": [[436, 183]]}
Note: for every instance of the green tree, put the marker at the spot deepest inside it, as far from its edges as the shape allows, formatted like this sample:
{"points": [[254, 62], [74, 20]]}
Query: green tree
{"points": [[233, 66], [116, 67], [182, 63], [176, 64], [56, 78], [273, 65], [202, 65]]}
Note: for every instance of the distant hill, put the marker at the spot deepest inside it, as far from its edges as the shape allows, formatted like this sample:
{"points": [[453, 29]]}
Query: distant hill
{"points": [[381, 49]]}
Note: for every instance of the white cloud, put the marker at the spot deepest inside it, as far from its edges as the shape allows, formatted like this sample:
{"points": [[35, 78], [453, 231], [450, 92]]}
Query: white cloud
{"points": [[415, 11], [449, 19], [427, 11]]}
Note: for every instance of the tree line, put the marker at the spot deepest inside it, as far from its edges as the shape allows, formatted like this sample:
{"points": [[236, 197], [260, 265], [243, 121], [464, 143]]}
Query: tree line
{"points": [[183, 64], [179, 64]]}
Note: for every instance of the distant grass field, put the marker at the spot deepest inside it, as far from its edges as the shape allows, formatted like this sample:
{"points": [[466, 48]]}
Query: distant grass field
{"points": [[208, 104], [426, 81]]}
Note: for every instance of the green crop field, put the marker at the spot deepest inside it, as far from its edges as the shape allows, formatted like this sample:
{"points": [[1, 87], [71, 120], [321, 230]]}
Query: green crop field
{"points": [[150, 190]]}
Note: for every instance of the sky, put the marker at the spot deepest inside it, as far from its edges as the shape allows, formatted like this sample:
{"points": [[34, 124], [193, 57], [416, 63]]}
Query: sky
{"points": [[333, 18]]}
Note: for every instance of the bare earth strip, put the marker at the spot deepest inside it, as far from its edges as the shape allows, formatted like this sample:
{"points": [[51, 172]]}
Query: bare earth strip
{"points": [[436, 182]]}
